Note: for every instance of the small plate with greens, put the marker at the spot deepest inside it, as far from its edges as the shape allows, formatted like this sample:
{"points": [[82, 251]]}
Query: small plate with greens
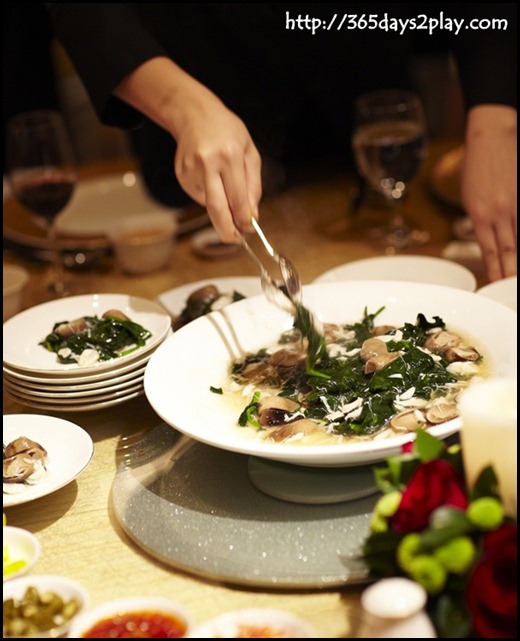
{"points": [[80, 335]]}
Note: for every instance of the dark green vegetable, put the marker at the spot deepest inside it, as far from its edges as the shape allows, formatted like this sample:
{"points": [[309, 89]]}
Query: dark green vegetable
{"points": [[316, 348], [327, 384], [111, 337]]}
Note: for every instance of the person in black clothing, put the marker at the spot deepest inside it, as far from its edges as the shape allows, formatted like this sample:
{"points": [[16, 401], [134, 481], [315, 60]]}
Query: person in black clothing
{"points": [[219, 89]]}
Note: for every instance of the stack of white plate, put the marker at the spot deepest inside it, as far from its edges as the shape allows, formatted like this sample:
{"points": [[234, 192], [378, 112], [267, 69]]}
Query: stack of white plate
{"points": [[33, 376]]}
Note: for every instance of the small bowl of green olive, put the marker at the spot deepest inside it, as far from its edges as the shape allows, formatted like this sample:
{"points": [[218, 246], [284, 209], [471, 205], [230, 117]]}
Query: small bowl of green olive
{"points": [[41, 606]]}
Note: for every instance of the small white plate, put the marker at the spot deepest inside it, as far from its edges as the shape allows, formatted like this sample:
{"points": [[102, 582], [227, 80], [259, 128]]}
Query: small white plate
{"points": [[503, 291], [416, 269], [69, 449], [20, 545], [174, 300], [72, 398], [23, 333], [78, 406], [56, 386]]}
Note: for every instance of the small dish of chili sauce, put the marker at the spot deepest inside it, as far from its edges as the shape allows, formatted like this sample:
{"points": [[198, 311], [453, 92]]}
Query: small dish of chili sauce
{"points": [[134, 617]]}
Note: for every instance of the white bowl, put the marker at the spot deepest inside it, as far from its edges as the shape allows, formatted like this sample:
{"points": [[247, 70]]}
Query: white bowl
{"points": [[145, 243], [181, 372], [61, 586], [416, 269], [15, 280], [171, 610], [21, 551], [255, 623]]}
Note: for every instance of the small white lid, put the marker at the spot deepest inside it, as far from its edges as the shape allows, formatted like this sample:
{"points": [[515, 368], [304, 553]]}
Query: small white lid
{"points": [[394, 598]]}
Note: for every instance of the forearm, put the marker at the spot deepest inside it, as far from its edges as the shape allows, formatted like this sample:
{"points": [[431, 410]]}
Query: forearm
{"points": [[166, 94], [489, 185]]}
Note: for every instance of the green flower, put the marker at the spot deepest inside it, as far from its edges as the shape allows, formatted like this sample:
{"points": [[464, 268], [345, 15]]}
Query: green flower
{"points": [[485, 513], [387, 505], [456, 555], [378, 523], [407, 551], [428, 572]]}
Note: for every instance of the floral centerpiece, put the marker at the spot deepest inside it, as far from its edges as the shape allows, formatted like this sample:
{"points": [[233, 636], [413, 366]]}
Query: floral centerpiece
{"points": [[458, 544]]}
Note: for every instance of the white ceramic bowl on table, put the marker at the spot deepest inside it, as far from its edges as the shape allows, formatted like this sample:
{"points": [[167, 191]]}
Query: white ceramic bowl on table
{"points": [[48, 621], [144, 243], [21, 551], [182, 371], [158, 617]]}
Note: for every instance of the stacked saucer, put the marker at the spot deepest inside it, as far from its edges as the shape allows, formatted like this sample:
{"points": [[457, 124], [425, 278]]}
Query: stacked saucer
{"points": [[33, 375]]}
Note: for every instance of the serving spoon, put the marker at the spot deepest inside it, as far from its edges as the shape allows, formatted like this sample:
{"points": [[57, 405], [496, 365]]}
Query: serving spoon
{"points": [[285, 293]]}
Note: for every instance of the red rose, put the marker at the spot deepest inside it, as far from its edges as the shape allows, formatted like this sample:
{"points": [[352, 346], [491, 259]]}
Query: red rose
{"points": [[492, 592], [433, 484], [408, 448]]}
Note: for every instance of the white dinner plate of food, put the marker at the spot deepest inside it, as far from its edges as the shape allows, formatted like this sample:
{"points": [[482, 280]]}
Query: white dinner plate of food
{"points": [[504, 291], [202, 296], [98, 204], [24, 333], [67, 450], [101, 202], [417, 269], [188, 378]]}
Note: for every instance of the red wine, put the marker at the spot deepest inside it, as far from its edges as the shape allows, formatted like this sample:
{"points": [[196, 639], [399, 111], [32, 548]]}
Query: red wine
{"points": [[45, 195]]}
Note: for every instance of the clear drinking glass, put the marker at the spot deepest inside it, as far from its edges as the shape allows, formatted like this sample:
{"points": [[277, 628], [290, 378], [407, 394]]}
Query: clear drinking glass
{"points": [[390, 145], [42, 175]]}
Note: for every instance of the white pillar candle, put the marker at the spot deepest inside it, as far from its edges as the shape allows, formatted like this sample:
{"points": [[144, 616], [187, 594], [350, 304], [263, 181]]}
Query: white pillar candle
{"points": [[488, 435]]}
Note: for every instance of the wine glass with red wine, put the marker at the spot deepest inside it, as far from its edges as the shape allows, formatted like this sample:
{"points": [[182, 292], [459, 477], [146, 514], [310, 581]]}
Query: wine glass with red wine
{"points": [[390, 145], [42, 175]]}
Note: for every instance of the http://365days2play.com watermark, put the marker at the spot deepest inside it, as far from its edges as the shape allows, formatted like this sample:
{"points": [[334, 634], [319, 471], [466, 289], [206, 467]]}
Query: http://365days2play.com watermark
{"points": [[385, 22]]}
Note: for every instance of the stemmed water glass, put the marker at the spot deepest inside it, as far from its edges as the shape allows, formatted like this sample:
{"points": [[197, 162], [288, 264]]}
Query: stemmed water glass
{"points": [[390, 144], [42, 175]]}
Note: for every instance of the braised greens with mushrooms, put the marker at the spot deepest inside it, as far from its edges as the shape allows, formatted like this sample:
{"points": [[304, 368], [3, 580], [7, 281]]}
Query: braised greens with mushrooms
{"points": [[363, 381], [90, 339]]}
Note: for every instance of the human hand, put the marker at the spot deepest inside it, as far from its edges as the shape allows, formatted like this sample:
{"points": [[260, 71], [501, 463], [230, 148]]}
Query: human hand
{"points": [[489, 186], [217, 164]]}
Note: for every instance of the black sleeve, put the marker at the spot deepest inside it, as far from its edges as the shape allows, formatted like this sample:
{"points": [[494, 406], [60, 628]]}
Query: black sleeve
{"points": [[105, 42], [486, 57]]}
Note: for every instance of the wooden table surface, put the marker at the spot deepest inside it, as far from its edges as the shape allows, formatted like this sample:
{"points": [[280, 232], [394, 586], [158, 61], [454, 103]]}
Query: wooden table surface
{"points": [[80, 535]]}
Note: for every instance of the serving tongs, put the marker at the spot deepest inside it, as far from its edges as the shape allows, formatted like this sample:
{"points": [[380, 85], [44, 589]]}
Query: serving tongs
{"points": [[285, 292]]}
